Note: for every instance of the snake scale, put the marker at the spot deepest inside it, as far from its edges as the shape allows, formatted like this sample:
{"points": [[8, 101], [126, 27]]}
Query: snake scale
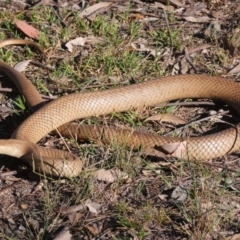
{"points": [[65, 109]]}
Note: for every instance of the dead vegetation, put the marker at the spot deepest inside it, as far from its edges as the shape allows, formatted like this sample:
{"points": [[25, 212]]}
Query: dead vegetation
{"points": [[121, 194]]}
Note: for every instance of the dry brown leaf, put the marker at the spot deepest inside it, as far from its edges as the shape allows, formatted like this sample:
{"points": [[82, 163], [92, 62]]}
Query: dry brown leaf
{"points": [[74, 217], [199, 6], [197, 19], [95, 228], [142, 48], [192, 10], [213, 29], [27, 29], [24, 206], [94, 207], [110, 175], [177, 149], [171, 2], [234, 237], [21, 66], [154, 153], [235, 70], [160, 5], [88, 11], [44, 3], [167, 118], [149, 19], [198, 48], [136, 16], [179, 194], [147, 173], [82, 41], [70, 209], [163, 197], [64, 234]]}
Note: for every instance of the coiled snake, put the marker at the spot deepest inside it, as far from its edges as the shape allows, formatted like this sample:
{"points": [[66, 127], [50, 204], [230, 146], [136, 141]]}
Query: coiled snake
{"points": [[81, 105]]}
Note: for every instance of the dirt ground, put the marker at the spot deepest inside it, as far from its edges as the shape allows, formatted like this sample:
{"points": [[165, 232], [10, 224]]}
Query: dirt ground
{"points": [[122, 193]]}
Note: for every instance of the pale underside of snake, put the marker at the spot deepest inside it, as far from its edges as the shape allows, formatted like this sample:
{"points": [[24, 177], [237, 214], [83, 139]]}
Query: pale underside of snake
{"points": [[82, 105]]}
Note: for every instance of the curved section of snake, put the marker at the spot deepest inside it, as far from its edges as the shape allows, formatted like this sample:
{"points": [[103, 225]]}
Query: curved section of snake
{"points": [[81, 105]]}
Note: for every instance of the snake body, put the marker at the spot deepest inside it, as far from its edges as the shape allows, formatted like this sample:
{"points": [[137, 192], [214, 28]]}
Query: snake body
{"points": [[82, 105]]}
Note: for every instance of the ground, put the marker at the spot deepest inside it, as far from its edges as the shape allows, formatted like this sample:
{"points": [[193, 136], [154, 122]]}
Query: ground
{"points": [[131, 41]]}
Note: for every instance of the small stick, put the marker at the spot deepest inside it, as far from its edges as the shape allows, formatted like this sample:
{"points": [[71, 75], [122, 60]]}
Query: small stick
{"points": [[189, 60], [197, 121], [5, 174], [170, 36], [184, 104]]}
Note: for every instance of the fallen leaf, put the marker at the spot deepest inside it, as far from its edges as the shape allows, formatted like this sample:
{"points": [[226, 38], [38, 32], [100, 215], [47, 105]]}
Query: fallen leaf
{"points": [[21, 66], [88, 11], [94, 207], [179, 194], [142, 48], [198, 48], [213, 29], [63, 234], [82, 41], [165, 7], [95, 228], [218, 14], [199, 6], [70, 209], [234, 237], [11, 221], [167, 118], [171, 2], [149, 19], [177, 149], [192, 10], [235, 70], [74, 217], [163, 197], [206, 206], [110, 175], [154, 153], [147, 173], [44, 3], [197, 19], [24, 206], [27, 29], [136, 16]]}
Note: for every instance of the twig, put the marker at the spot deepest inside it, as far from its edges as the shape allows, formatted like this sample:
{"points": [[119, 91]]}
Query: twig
{"points": [[215, 165], [48, 97], [198, 48], [184, 104], [6, 89], [170, 36], [197, 121], [189, 60], [5, 174], [39, 64], [56, 11]]}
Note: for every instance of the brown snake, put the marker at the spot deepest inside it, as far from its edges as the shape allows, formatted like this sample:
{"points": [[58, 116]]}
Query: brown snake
{"points": [[83, 105]]}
